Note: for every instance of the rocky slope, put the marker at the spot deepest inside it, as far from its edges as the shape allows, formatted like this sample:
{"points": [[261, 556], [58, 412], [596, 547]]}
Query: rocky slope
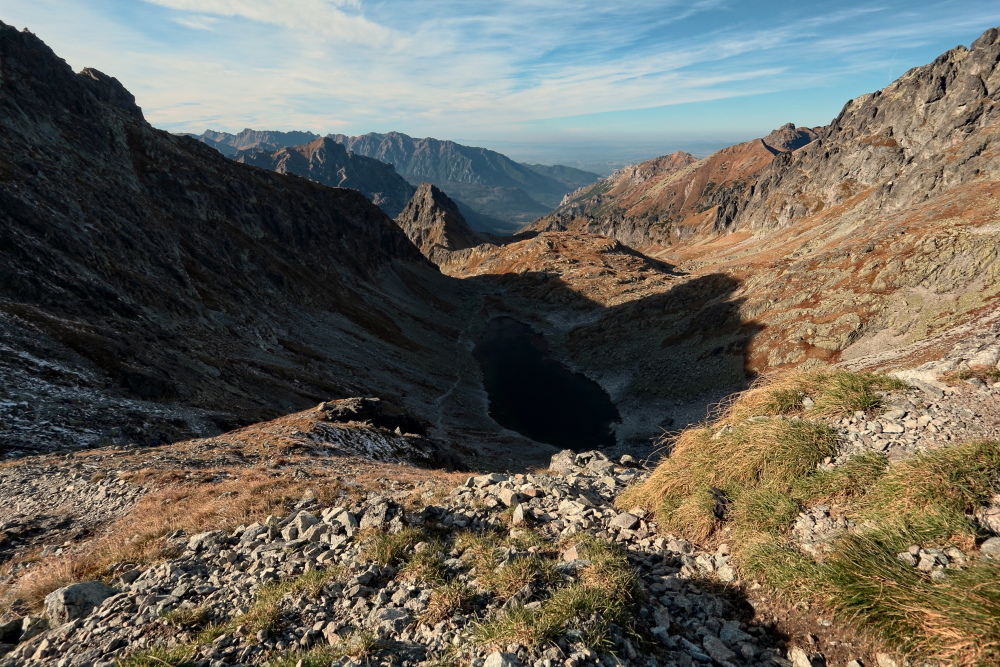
{"points": [[873, 243], [666, 198], [328, 162], [358, 561], [314, 582], [152, 289]]}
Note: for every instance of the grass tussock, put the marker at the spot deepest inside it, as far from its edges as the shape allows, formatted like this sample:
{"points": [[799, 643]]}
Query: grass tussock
{"points": [[426, 566], [499, 574], [713, 462], [357, 647], [265, 612], [766, 469], [938, 488], [188, 617], [448, 600], [388, 548], [601, 597], [833, 392], [955, 620]]}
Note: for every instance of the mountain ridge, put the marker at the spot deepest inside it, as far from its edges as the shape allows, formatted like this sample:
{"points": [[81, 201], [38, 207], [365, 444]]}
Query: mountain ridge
{"points": [[501, 193], [330, 163]]}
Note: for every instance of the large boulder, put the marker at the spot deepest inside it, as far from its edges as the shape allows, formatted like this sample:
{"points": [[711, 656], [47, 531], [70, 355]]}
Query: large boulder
{"points": [[75, 601]]}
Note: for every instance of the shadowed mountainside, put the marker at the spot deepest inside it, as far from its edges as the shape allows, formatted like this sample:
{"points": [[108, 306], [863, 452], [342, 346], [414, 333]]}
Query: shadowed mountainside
{"points": [[145, 266]]}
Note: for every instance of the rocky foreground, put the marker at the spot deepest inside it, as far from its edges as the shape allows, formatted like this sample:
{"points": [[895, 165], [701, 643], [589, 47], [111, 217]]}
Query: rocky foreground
{"points": [[526, 569], [360, 587]]}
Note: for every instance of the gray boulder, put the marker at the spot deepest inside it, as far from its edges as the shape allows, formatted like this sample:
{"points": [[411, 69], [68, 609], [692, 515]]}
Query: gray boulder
{"points": [[498, 659], [75, 601], [563, 462]]}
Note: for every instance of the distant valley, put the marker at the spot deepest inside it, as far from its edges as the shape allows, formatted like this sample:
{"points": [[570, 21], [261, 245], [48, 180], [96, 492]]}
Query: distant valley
{"points": [[496, 194]]}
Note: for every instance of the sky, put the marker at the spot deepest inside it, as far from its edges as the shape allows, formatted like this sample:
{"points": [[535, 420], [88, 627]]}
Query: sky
{"points": [[556, 81]]}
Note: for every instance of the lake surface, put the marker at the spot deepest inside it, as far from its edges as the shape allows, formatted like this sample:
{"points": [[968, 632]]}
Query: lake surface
{"points": [[535, 395]]}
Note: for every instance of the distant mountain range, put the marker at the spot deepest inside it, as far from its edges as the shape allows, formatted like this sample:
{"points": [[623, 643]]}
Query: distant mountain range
{"points": [[325, 161], [494, 192]]}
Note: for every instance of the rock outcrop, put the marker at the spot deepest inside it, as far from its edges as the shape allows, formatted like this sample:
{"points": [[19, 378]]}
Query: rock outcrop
{"points": [[435, 225], [325, 161], [932, 130], [660, 201]]}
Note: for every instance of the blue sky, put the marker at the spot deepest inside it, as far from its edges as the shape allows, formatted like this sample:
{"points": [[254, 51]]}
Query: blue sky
{"points": [[542, 81]]}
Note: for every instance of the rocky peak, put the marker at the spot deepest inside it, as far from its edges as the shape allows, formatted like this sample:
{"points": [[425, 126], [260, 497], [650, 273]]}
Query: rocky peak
{"points": [[230, 144], [435, 225], [788, 138]]}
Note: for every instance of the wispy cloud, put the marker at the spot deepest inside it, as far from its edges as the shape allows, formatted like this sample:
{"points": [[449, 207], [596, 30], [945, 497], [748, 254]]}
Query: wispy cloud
{"points": [[461, 67]]}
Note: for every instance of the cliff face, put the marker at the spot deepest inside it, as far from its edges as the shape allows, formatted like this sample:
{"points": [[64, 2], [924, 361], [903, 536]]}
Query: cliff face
{"points": [[142, 266], [325, 161], [933, 130]]}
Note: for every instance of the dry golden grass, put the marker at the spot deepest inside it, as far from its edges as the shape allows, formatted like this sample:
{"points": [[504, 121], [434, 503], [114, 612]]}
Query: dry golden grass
{"points": [[751, 455], [988, 374], [188, 500], [446, 601]]}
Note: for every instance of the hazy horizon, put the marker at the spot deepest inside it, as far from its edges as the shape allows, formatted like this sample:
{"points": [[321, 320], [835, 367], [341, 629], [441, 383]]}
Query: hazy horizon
{"points": [[569, 83]]}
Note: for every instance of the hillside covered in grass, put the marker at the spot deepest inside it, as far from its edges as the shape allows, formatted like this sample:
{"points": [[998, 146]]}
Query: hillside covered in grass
{"points": [[900, 546]]}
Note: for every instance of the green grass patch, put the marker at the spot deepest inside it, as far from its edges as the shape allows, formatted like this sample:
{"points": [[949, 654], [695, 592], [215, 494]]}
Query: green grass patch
{"points": [[940, 487], [602, 596], [188, 617], [956, 620], [265, 612], [852, 479], [388, 548], [357, 647], [426, 565]]}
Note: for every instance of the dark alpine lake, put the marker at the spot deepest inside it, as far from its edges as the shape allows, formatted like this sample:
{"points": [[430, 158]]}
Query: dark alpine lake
{"points": [[535, 395]]}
